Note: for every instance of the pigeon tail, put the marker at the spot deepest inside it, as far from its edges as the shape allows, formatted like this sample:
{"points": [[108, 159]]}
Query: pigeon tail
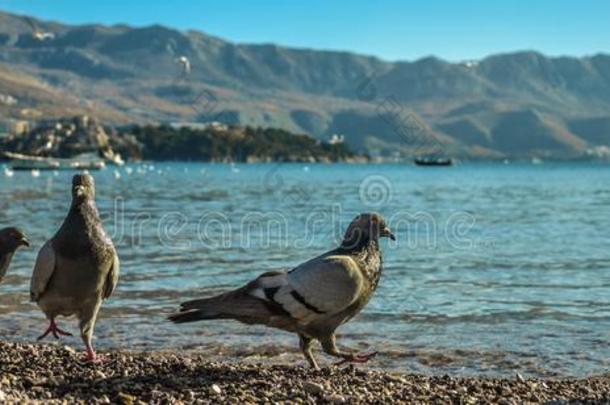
{"points": [[192, 315], [200, 303], [233, 305], [199, 310]]}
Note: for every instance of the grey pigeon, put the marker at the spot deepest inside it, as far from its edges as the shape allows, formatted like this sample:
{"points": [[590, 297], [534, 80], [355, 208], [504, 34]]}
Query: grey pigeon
{"points": [[312, 299], [78, 268], [10, 240]]}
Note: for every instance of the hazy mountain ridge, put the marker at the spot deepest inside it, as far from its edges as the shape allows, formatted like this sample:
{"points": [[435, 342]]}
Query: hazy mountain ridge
{"points": [[521, 104]]}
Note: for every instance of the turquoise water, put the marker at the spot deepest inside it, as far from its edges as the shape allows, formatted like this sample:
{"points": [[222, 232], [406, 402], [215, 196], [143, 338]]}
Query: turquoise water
{"points": [[497, 268]]}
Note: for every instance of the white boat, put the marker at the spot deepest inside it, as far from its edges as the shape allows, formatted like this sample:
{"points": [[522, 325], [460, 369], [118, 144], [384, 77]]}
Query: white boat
{"points": [[19, 161]]}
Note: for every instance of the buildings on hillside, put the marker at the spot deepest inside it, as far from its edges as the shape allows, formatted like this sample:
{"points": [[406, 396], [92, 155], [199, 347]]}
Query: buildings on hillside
{"points": [[13, 126]]}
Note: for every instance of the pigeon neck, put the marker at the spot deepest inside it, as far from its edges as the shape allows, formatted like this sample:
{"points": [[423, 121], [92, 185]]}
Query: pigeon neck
{"points": [[74, 237], [360, 244], [7, 247], [84, 209], [77, 203], [5, 260], [4, 244]]}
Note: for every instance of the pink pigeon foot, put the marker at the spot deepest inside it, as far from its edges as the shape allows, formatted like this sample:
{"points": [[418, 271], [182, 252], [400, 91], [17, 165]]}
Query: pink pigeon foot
{"points": [[53, 329], [358, 358], [91, 357]]}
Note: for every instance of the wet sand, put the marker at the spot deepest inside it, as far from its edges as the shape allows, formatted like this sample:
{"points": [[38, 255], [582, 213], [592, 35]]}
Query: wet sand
{"points": [[54, 374]]}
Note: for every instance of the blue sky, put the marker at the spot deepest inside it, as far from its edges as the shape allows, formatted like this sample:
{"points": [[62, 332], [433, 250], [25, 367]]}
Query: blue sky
{"points": [[393, 30]]}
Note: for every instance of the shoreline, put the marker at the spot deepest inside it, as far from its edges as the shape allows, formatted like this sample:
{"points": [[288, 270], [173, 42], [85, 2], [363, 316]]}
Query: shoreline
{"points": [[357, 162], [55, 373]]}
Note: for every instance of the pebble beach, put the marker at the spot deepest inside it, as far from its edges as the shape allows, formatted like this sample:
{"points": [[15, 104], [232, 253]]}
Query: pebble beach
{"points": [[56, 374]]}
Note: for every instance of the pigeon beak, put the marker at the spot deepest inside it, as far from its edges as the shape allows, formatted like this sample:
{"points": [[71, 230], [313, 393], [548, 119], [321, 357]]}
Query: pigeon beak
{"points": [[79, 191], [387, 233]]}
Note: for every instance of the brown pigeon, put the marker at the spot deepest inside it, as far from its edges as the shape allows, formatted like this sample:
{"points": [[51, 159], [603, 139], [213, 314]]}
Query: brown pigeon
{"points": [[78, 268], [312, 299], [10, 240]]}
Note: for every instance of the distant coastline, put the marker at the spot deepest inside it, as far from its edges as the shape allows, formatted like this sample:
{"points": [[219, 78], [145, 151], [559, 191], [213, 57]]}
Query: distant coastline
{"points": [[236, 144], [205, 142], [69, 138]]}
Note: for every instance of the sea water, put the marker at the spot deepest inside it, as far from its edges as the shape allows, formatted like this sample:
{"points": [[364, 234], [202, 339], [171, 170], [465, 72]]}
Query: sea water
{"points": [[496, 269]]}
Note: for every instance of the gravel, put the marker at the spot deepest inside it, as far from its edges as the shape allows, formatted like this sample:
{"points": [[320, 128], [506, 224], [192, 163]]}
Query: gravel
{"points": [[56, 374]]}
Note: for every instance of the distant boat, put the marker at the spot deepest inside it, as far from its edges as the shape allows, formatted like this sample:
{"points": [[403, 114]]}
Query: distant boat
{"points": [[433, 161], [19, 161]]}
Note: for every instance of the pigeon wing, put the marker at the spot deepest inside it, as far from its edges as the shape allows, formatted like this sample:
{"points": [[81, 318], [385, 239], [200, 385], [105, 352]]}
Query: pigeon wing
{"points": [[43, 270], [112, 278], [316, 289]]}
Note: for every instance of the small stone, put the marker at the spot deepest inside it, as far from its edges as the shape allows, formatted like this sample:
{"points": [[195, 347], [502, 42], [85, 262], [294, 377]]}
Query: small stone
{"points": [[395, 378], [215, 389], [69, 350], [313, 388], [100, 374], [335, 398], [36, 382], [104, 399], [520, 378], [127, 399]]}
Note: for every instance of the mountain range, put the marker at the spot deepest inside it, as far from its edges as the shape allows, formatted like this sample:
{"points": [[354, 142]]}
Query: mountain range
{"points": [[517, 105]]}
